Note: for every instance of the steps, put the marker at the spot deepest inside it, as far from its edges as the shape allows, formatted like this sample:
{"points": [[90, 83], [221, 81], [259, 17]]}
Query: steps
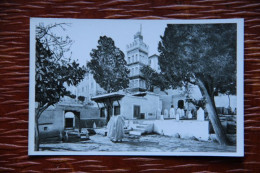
{"points": [[139, 128], [135, 132]]}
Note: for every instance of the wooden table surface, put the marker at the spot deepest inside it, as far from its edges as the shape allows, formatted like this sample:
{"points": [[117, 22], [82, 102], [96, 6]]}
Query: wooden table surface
{"points": [[14, 83]]}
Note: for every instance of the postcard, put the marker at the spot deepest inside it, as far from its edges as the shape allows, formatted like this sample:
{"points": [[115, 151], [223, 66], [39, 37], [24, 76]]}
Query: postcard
{"points": [[136, 87]]}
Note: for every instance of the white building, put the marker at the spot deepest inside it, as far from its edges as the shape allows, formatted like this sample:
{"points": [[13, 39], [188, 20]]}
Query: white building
{"points": [[130, 106], [153, 63], [88, 87]]}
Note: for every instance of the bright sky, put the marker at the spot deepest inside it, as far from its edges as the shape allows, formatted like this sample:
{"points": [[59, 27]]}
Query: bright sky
{"points": [[86, 32]]}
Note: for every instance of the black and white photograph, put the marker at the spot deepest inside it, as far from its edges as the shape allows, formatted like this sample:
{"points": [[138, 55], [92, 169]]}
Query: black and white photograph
{"points": [[136, 87]]}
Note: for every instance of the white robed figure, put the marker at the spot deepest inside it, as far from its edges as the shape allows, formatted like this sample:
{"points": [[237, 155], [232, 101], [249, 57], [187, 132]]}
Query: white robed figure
{"points": [[115, 128]]}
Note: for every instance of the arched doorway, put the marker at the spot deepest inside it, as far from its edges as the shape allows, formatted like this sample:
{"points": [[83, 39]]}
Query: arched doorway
{"points": [[69, 120], [181, 104]]}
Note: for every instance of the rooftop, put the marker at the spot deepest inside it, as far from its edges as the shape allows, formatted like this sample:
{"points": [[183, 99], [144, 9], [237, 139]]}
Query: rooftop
{"points": [[112, 96]]}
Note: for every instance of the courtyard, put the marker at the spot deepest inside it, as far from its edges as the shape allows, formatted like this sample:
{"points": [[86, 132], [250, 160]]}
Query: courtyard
{"points": [[144, 143]]}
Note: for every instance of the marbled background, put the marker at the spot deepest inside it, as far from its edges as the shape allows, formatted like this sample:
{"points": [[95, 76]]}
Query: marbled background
{"points": [[14, 83]]}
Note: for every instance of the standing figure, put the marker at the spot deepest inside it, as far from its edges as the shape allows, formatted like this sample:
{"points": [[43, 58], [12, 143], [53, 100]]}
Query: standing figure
{"points": [[116, 128], [110, 126], [172, 112]]}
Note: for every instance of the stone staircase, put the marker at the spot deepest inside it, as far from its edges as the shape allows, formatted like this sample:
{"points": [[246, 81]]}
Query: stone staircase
{"points": [[140, 128]]}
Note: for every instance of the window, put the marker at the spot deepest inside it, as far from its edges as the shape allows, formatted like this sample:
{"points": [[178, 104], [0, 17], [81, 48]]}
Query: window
{"points": [[136, 111], [138, 83], [82, 89], [92, 85], [135, 83], [116, 110], [136, 58], [129, 60], [133, 60], [102, 113], [136, 70]]}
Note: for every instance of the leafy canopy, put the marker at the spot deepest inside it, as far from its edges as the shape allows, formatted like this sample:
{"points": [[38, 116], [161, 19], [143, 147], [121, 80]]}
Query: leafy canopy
{"points": [[200, 51], [108, 65], [53, 70]]}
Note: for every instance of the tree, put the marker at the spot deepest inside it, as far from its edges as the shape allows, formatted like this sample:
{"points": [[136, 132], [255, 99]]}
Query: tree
{"points": [[153, 79], [204, 55], [53, 70], [81, 98], [109, 66]]}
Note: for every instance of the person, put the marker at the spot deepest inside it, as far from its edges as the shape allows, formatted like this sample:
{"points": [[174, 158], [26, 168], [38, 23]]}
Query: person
{"points": [[110, 126], [172, 112], [116, 128]]}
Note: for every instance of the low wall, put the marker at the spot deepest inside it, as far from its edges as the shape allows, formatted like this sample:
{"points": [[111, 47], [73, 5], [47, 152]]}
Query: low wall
{"points": [[185, 128], [88, 123]]}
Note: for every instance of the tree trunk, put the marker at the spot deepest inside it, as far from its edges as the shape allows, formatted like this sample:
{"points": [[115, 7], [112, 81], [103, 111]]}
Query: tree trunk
{"points": [[38, 113], [219, 131]]}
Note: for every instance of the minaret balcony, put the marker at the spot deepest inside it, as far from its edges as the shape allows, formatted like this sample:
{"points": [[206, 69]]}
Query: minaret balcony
{"points": [[136, 76]]}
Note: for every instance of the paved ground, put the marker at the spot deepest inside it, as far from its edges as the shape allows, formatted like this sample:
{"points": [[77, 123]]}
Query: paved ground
{"points": [[152, 143]]}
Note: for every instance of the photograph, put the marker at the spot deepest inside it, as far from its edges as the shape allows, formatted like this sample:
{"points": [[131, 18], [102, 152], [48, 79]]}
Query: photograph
{"points": [[136, 87]]}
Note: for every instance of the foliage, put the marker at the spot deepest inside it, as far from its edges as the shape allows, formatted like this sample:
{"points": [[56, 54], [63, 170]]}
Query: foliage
{"points": [[153, 78], [109, 66], [73, 96], [204, 55], [53, 70], [205, 51], [81, 98]]}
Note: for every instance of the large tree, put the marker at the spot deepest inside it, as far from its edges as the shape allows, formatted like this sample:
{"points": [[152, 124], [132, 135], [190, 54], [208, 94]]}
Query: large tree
{"points": [[204, 55], [53, 70], [108, 65]]}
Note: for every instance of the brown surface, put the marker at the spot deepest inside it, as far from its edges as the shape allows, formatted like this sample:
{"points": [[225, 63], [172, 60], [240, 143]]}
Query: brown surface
{"points": [[14, 83]]}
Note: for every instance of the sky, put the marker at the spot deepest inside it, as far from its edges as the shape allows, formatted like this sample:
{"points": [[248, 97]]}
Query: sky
{"points": [[85, 34]]}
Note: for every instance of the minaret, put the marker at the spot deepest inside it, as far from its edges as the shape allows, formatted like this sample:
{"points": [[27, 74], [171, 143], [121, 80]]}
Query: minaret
{"points": [[137, 57]]}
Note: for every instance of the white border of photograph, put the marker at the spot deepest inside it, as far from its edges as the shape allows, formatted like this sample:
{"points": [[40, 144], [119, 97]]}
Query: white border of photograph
{"points": [[240, 90]]}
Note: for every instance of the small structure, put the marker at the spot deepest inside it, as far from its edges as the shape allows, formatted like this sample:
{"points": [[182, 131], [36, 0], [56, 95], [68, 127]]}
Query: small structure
{"points": [[58, 122], [142, 105], [189, 114], [172, 112], [166, 114], [200, 114]]}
